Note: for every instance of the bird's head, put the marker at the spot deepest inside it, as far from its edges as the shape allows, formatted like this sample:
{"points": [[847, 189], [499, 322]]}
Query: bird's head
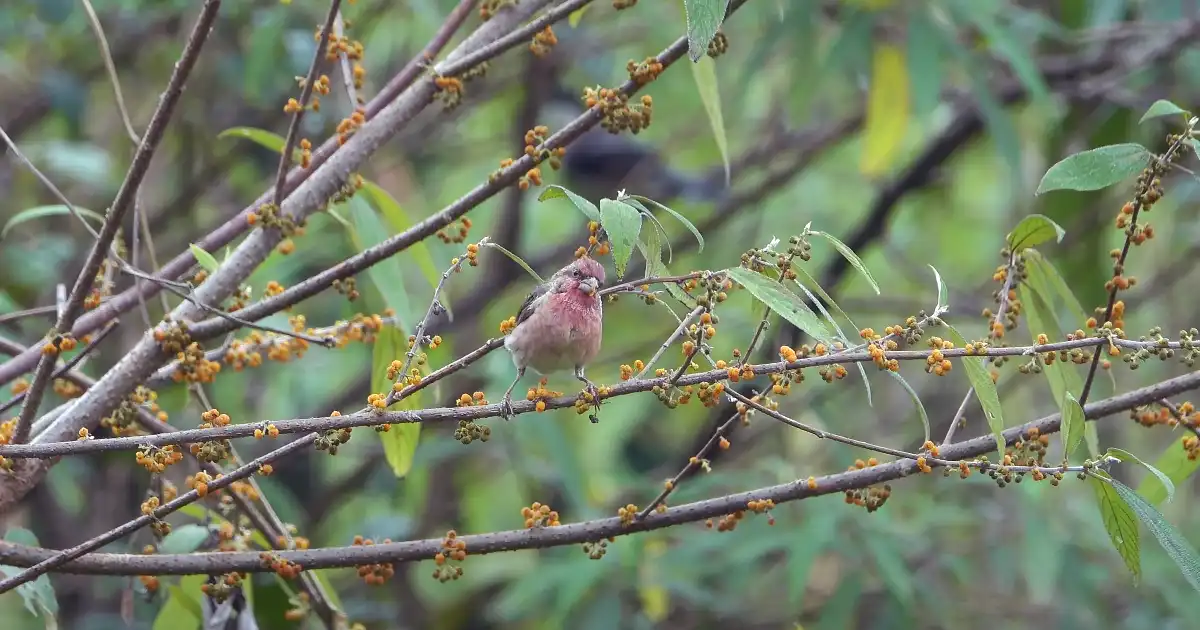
{"points": [[584, 275]]}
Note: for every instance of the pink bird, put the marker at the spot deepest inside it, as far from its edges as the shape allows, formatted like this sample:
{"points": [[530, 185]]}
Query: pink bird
{"points": [[559, 325]]}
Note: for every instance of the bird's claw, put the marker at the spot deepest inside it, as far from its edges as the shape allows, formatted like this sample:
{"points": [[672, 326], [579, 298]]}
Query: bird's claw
{"points": [[506, 408], [591, 394]]}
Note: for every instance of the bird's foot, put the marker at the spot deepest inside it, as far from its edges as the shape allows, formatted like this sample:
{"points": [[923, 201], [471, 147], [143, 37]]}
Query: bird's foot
{"points": [[506, 408], [590, 397]]}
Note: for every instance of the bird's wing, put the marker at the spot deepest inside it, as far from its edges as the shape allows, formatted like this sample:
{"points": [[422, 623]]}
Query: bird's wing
{"points": [[531, 301]]}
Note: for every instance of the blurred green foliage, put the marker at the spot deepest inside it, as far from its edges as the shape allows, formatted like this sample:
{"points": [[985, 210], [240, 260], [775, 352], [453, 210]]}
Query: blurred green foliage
{"points": [[942, 553]]}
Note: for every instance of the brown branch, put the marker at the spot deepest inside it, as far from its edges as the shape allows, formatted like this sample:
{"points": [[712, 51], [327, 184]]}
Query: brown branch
{"points": [[69, 365], [454, 414], [576, 533], [124, 200]]}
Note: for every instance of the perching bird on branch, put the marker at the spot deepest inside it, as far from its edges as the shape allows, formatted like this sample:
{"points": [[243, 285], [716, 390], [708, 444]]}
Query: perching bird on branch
{"points": [[559, 325]]}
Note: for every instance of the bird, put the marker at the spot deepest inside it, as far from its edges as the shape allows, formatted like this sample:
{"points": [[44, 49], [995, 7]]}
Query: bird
{"points": [[559, 326], [598, 163]]}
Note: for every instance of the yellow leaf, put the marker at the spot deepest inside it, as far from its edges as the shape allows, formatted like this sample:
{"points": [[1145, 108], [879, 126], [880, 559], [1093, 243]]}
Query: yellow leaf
{"points": [[887, 109], [577, 15]]}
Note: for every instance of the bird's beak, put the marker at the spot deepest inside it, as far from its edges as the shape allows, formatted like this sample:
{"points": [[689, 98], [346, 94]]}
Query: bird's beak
{"points": [[589, 286]]}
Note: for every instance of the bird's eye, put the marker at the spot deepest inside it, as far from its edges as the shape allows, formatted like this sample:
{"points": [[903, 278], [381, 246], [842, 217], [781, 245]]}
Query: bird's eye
{"points": [[575, 273]]}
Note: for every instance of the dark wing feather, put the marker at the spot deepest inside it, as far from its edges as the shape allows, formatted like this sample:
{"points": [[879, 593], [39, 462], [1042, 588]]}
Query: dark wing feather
{"points": [[526, 309]]}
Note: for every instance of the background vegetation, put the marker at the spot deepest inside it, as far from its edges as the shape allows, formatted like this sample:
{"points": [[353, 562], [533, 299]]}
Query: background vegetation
{"points": [[917, 132]]}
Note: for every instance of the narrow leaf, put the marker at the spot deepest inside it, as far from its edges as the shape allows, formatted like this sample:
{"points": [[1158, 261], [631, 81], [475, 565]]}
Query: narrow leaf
{"points": [[588, 208], [850, 257], [1119, 521], [703, 19], [943, 301], [1176, 465], [517, 259], [778, 299], [887, 110], [1053, 280], [985, 389], [261, 137], [1161, 108], [841, 335], [206, 260], [1176, 546], [1072, 424], [387, 275], [38, 212], [398, 219], [622, 222], [1034, 230], [916, 398], [1126, 456], [704, 72], [577, 15], [924, 57], [1096, 168], [400, 440], [682, 219]]}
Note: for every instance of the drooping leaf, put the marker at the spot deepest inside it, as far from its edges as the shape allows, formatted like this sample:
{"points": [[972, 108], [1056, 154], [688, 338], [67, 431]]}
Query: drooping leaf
{"points": [[704, 72], [778, 299], [185, 538], [924, 56], [682, 219], [850, 257], [1034, 230], [207, 261], [1001, 40], [588, 208], [1049, 276], [622, 222], [1176, 546], [399, 221], [1175, 464], [985, 389], [1119, 521], [261, 137], [400, 440], [841, 335], [1161, 108], [38, 595], [1096, 168], [1126, 456], [887, 110], [387, 275], [29, 214], [577, 15], [703, 20], [916, 398], [943, 300], [517, 259], [1072, 424]]}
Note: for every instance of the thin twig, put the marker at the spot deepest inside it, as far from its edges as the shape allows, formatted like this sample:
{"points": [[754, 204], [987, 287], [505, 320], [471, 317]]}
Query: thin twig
{"points": [[125, 196], [679, 330], [111, 68], [69, 365]]}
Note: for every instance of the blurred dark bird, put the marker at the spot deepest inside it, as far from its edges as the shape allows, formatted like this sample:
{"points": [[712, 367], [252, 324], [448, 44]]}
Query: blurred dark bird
{"points": [[598, 164]]}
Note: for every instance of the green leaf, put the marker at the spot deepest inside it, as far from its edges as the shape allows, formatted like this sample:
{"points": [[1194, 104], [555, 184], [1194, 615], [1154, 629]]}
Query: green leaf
{"points": [[1175, 464], [400, 440], [1161, 108], [651, 247], [985, 389], [182, 609], [1176, 546], [1034, 230], [577, 15], [1018, 55], [887, 110], [387, 275], [1119, 521], [37, 595], [916, 398], [622, 222], [261, 137], [206, 260], [399, 220], [850, 257], [588, 208], [924, 57], [1126, 456], [1096, 168], [1072, 424], [184, 539], [782, 301], [704, 72], [943, 301], [29, 214], [682, 219], [1049, 276], [703, 19], [841, 335], [517, 259]]}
